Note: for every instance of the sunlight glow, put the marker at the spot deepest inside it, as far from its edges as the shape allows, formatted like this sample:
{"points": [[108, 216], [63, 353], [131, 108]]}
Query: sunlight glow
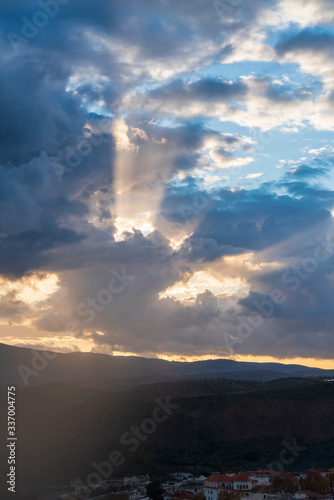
{"points": [[125, 225], [31, 289], [199, 283], [325, 364]]}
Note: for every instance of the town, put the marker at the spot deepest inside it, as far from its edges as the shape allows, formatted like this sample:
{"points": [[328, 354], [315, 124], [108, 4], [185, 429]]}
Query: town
{"points": [[230, 485]]}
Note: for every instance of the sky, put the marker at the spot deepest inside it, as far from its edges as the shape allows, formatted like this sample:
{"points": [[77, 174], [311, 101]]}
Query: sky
{"points": [[166, 178]]}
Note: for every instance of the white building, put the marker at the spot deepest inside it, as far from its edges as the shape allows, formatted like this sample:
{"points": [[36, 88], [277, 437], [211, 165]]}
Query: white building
{"points": [[131, 481], [213, 485]]}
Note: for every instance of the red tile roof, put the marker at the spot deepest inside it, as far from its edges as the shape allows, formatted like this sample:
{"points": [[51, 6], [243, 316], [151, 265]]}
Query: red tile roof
{"points": [[312, 494], [243, 477], [180, 494], [220, 478]]}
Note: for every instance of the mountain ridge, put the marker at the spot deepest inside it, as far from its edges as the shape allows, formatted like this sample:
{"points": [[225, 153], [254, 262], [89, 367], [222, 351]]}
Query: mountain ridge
{"points": [[25, 366]]}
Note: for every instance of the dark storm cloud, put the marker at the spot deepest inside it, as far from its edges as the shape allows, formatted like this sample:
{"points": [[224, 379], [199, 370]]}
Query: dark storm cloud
{"points": [[40, 214], [31, 250], [306, 172], [71, 77], [206, 249], [255, 220], [41, 119], [13, 309], [319, 195], [157, 30], [36, 112], [290, 228], [301, 325], [305, 40], [288, 94], [201, 90]]}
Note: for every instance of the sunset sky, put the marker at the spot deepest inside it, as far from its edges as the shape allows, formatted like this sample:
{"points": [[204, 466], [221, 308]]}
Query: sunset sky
{"points": [[166, 178]]}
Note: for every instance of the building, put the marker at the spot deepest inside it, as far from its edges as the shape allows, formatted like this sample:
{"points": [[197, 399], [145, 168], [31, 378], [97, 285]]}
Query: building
{"points": [[179, 495], [242, 481], [213, 485], [311, 495], [181, 476], [131, 481], [194, 487]]}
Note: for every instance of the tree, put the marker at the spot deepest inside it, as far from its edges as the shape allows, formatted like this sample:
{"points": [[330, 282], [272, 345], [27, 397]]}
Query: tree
{"points": [[154, 490], [330, 479], [284, 483], [314, 482]]}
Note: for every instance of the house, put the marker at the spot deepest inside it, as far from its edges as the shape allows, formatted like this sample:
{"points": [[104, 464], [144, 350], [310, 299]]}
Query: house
{"points": [[260, 496], [143, 480], [236, 482], [181, 476], [242, 481], [131, 481], [217, 480], [324, 472], [136, 495], [194, 487], [179, 495], [212, 485], [172, 486], [304, 473], [262, 478], [311, 495], [254, 496]]}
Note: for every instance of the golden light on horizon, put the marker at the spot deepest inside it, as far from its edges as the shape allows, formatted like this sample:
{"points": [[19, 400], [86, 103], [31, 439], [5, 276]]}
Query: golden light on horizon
{"points": [[325, 364], [85, 345], [58, 344]]}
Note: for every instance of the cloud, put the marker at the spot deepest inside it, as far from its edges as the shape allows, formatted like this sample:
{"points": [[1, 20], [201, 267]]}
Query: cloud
{"points": [[124, 124], [305, 13], [138, 321], [305, 171], [254, 176]]}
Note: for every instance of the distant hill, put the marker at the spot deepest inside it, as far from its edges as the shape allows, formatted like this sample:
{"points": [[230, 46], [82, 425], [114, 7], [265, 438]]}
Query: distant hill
{"points": [[119, 372]]}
